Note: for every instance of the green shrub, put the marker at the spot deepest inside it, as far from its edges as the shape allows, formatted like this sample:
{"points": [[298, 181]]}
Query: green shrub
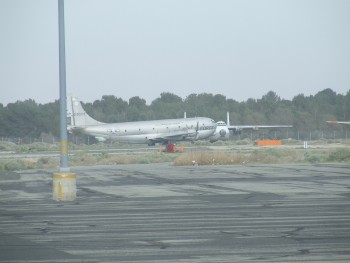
{"points": [[339, 155], [7, 146], [312, 158], [14, 165], [103, 155], [43, 160]]}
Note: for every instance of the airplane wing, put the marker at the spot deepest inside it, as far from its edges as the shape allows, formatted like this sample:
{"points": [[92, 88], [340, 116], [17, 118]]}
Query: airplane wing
{"points": [[256, 127], [338, 122], [174, 136], [239, 128]]}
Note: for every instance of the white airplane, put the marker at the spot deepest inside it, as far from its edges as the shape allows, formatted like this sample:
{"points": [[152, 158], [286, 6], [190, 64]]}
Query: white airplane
{"points": [[338, 122], [148, 132]]}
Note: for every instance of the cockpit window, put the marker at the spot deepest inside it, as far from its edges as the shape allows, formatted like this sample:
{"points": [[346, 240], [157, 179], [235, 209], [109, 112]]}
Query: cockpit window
{"points": [[221, 123]]}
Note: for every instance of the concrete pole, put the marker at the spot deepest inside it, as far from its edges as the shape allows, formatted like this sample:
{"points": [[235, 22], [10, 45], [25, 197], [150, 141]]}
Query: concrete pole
{"points": [[64, 182]]}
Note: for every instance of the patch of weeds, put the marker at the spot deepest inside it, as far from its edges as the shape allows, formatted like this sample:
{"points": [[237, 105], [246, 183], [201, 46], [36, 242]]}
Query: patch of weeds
{"points": [[312, 158], [103, 155], [43, 160], [14, 165], [209, 158], [339, 155]]}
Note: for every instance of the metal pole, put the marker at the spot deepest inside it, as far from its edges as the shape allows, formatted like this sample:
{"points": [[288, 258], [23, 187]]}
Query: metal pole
{"points": [[63, 98], [64, 183]]}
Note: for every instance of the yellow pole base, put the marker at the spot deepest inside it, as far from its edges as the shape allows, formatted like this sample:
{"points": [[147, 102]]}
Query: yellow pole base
{"points": [[64, 186]]}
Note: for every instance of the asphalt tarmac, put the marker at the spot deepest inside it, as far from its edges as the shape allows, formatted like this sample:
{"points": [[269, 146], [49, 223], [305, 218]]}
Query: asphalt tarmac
{"points": [[162, 213]]}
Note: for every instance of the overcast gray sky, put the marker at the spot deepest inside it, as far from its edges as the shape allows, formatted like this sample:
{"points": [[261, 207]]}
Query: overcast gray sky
{"points": [[240, 49]]}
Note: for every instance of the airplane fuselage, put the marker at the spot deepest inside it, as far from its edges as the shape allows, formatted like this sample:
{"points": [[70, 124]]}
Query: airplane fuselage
{"points": [[156, 131]]}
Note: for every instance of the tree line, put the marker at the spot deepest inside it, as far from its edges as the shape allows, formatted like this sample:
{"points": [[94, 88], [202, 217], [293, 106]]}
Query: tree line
{"points": [[305, 113]]}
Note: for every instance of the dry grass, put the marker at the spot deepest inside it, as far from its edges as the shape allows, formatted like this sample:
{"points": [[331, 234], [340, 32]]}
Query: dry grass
{"points": [[84, 159], [210, 158], [262, 155], [208, 155]]}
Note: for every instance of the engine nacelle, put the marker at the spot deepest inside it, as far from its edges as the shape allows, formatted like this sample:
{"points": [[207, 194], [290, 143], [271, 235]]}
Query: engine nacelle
{"points": [[221, 133]]}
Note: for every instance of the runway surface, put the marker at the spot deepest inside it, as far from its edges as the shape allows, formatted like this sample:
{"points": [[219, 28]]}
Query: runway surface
{"points": [[161, 213]]}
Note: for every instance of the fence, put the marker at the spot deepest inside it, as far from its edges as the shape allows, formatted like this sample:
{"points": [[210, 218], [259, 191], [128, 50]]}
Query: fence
{"points": [[297, 135], [245, 134]]}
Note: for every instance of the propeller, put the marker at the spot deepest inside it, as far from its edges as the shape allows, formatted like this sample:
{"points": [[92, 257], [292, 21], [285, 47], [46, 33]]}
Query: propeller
{"points": [[222, 133], [197, 129], [196, 135]]}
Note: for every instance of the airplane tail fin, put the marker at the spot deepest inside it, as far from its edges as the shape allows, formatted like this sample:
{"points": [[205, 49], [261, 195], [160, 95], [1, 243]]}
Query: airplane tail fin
{"points": [[76, 115]]}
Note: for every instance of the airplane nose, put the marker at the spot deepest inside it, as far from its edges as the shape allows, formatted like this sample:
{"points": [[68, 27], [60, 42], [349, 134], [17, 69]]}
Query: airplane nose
{"points": [[222, 133]]}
